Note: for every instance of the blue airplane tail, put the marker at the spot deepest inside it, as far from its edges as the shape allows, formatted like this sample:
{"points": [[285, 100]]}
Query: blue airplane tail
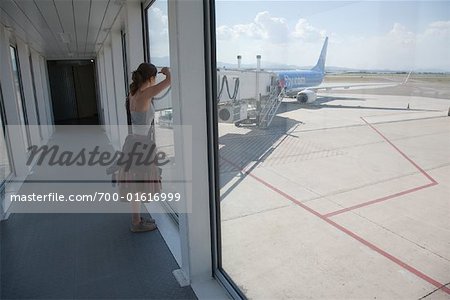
{"points": [[320, 66]]}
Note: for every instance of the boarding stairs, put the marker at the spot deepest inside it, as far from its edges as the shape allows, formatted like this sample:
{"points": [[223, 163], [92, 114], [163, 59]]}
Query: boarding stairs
{"points": [[269, 106]]}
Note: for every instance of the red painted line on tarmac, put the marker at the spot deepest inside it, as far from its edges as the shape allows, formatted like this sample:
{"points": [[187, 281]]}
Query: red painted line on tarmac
{"points": [[401, 152], [375, 248], [412, 190]]}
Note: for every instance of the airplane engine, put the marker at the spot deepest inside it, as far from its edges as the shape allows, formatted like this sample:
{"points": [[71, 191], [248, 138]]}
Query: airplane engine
{"points": [[306, 96]]}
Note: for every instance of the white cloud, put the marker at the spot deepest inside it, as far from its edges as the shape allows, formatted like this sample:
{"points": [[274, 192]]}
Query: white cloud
{"points": [[225, 33], [433, 46], [251, 30], [158, 22], [400, 34], [264, 26], [398, 48], [274, 29], [158, 27], [438, 29], [308, 33]]}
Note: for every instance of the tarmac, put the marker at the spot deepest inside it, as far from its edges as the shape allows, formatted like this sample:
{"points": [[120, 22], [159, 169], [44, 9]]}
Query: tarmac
{"points": [[345, 198]]}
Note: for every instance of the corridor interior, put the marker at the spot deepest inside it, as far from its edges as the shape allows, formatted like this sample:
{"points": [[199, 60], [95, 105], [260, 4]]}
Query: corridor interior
{"points": [[82, 255]]}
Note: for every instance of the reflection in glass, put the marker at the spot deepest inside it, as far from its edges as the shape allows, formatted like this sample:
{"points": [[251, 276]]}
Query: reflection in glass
{"points": [[35, 96]]}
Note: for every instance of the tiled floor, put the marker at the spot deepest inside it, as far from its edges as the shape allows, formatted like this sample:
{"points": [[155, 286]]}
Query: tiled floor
{"points": [[80, 256]]}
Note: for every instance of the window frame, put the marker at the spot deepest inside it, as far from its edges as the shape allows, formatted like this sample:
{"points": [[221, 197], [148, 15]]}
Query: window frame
{"points": [[13, 49], [174, 215], [123, 38], [213, 150], [7, 142], [145, 6]]}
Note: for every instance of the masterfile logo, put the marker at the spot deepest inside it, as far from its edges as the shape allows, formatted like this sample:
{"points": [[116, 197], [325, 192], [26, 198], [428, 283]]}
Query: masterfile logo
{"points": [[100, 169]]}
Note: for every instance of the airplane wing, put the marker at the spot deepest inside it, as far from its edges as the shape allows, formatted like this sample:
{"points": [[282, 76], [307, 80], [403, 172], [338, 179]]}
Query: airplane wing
{"points": [[309, 95], [331, 86]]}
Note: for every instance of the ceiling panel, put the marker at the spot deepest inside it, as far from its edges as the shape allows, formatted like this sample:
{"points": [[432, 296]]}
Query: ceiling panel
{"points": [[36, 18], [98, 10], [110, 17], [48, 10], [14, 11], [64, 9], [61, 28], [20, 22], [7, 21], [82, 14]]}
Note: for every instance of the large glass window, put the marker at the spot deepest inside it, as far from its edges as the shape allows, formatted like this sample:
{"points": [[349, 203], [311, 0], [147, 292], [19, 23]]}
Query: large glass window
{"points": [[333, 148], [158, 33], [5, 162], [20, 98], [158, 53], [105, 92]]}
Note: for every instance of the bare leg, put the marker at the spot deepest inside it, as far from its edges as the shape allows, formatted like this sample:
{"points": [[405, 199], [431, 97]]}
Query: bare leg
{"points": [[135, 212], [138, 224]]}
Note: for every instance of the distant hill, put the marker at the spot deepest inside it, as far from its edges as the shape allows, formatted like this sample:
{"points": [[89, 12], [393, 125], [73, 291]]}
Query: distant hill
{"points": [[265, 65], [164, 61]]}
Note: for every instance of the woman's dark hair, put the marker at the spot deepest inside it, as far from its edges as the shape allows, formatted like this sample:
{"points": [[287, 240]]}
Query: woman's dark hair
{"points": [[143, 73]]}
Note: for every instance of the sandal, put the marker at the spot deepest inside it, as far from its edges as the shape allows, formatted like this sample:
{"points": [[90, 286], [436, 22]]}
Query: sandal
{"points": [[149, 220], [143, 227]]}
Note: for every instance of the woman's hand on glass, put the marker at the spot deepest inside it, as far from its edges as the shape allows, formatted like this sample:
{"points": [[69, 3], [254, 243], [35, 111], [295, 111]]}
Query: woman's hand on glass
{"points": [[165, 71]]}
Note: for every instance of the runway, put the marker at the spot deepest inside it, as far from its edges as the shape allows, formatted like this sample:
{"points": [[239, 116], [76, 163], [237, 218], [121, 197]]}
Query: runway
{"points": [[344, 198]]}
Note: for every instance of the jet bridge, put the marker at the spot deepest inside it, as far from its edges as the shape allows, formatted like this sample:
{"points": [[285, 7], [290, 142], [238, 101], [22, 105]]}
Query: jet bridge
{"points": [[247, 97]]}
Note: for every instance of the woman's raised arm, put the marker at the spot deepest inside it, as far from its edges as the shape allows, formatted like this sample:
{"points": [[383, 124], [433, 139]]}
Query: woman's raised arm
{"points": [[154, 90]]}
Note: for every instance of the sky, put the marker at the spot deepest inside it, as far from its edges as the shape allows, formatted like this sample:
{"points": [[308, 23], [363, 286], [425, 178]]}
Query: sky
{"points": [[365, 35], [394, 35], [158, 30]]}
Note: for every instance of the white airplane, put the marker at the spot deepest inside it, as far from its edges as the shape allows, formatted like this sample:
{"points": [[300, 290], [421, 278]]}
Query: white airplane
{"points": [[304, 84]]}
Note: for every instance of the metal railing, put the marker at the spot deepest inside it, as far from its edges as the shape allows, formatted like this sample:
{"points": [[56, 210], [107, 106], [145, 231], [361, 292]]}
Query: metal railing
{"points": [[270, 109]]}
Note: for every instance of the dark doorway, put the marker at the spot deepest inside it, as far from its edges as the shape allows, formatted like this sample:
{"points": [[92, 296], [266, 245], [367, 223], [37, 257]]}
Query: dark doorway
{"points": [[72, 84]]}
